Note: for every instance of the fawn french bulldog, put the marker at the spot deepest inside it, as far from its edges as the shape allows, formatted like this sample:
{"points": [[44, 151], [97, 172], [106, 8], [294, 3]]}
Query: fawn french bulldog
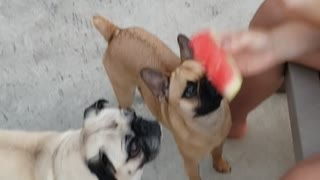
{"points": [[175, 90]]}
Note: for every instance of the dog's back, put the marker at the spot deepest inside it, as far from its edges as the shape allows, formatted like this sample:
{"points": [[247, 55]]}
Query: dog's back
{"points": [[129, 51], [135, 48], [19, 152]]}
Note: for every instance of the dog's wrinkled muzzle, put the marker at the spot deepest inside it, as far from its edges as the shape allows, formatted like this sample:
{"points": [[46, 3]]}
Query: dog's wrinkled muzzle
{"points": [[209, 98], [149, 134]]}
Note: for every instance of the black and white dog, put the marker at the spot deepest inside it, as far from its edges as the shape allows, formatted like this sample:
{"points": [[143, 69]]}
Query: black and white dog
{"points": [[113, 144]]}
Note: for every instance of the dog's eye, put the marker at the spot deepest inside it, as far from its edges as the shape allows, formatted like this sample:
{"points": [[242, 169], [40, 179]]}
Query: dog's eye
{"points": [[134, 149], [191, 90]]}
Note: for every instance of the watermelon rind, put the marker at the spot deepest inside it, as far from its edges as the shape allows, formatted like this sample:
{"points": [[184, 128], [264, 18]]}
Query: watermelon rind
{"points": [[232, 88]]}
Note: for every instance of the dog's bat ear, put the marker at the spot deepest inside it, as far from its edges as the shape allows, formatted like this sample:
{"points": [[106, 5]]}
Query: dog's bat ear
{"points": [[157, 82], [184, 46]]}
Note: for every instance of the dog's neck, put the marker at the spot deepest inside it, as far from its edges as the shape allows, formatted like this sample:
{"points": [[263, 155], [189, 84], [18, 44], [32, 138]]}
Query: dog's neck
{"points": [[67, 161], [164, 115], [202, 127]]}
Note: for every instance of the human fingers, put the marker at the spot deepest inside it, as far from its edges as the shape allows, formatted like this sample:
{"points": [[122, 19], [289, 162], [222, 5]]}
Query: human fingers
{"points": [[244, 41], [253, 65]]}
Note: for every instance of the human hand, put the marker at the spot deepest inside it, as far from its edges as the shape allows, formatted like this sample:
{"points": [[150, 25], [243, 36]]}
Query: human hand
{"points": [[252, 50]]}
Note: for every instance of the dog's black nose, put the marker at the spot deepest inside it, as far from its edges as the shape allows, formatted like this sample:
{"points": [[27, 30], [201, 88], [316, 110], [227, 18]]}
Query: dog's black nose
{"points": [[130, 113], [143, 127], [149, 135]]}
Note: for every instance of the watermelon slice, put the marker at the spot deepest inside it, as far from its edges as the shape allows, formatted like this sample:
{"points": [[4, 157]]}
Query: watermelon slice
{"points": [[220, 67]]}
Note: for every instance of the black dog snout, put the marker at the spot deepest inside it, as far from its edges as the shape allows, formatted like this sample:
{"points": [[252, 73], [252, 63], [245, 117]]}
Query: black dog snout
{"points": [[130, 113], [210, 99], [146, 128], [149, 135]]}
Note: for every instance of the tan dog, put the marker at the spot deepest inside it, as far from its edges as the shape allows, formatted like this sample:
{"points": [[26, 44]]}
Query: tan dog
{"points": [[113, 144], [174, 89]]}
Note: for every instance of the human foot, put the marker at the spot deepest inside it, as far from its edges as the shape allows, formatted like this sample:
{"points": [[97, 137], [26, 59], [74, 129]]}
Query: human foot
{"points": [[238, 130]]}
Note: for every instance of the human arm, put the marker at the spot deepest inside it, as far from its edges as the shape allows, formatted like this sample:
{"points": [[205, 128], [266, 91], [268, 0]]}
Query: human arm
{"points": [[258, 50]]}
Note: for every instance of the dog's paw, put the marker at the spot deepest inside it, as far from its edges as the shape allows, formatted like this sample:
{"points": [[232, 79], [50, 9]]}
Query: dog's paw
{"points": [[222, 166]]}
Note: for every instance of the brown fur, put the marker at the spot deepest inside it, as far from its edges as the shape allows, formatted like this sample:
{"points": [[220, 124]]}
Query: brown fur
{"points": [[137, 59]]}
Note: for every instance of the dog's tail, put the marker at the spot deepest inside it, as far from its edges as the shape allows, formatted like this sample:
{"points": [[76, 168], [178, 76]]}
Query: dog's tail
{"points": [[106, 28]]}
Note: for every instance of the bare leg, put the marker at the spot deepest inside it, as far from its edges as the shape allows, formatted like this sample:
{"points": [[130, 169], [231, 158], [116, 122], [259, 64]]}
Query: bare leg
{"points": [[310, 61], [256, 89], [308, 169], [268, 15]]}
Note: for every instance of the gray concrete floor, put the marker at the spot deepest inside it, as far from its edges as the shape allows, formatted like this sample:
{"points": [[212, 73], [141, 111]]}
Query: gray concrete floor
{"points": [[51, 69]]}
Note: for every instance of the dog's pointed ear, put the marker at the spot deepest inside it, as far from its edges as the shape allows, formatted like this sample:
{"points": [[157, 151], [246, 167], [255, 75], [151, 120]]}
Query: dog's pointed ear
{"points": [[186, 52], [157, 82]]}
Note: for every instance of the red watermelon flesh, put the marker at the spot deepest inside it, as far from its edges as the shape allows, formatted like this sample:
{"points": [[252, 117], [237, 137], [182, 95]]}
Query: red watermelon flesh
{"points": [[220, 67]]}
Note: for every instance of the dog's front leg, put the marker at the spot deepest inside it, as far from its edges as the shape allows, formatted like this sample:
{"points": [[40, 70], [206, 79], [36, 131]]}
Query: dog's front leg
{"points": [[192, 168], [219, 163]]}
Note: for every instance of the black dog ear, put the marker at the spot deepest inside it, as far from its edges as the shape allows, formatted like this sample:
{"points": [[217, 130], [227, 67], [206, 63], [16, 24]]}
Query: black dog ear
{"points": [[95, 108], [102, 167], [157, 82], [186, 52]]}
